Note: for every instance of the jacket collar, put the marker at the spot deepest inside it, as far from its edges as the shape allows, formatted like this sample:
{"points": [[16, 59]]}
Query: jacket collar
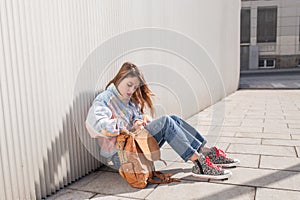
{"points": [[112, 88]]}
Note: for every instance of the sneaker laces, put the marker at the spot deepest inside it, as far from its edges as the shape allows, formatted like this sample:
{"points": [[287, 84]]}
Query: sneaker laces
{"points": [[210, 164], [220, 152]]}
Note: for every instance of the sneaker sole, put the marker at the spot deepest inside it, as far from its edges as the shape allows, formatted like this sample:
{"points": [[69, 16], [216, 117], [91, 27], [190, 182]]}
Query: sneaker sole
{"points": [[218, 177], [228, 165]]}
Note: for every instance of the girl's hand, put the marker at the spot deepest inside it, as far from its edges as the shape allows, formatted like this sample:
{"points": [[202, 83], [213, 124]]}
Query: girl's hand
{"points": [[138, 124], [147, 119]]}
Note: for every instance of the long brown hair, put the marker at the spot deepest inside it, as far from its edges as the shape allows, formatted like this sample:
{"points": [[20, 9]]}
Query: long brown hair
{"points": [[143, 95]]}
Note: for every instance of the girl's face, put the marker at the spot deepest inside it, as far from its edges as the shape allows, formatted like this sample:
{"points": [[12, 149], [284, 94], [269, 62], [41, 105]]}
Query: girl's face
{"points": [[128, 86]]}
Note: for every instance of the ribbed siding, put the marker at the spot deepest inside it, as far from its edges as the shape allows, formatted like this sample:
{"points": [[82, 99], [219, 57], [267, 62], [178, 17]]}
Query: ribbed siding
{"points": [[40, 149]]}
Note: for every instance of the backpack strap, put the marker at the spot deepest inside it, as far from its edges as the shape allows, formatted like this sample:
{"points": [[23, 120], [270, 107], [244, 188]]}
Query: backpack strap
{"points": [[163, 161], [121, 141], [164, 178]]}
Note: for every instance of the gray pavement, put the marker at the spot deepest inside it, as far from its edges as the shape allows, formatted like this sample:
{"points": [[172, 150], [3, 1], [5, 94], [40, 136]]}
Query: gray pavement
{"points": [[259, 127]]}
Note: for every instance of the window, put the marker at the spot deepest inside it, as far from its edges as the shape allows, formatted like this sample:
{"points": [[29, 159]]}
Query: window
{"points": [[266, 24], [245, 26], [267, 63]]}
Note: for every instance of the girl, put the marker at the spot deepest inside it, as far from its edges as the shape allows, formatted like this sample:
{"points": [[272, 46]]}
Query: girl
{"points": [[121, 108]]}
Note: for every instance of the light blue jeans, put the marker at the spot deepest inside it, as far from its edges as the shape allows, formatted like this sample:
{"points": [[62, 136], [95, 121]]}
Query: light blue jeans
{"points": [[180, 135]]}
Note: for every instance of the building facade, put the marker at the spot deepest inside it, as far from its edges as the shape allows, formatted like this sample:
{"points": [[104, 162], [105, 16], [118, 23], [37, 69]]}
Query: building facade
{"points": [[270, 34]]}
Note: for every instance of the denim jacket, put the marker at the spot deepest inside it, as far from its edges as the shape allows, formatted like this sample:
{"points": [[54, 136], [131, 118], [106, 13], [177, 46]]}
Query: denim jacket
{"points": [[108, 115]]}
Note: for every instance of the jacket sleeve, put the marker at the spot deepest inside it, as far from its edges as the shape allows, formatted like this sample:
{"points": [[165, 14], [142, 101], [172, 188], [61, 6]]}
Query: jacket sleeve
{"points": [[100, 121], [137, 114]]}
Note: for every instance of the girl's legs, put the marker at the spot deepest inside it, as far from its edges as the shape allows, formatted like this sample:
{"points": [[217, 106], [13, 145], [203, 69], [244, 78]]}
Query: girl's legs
{"points": [[217, 156], [188, 128], [183, 142], [187, 142]]}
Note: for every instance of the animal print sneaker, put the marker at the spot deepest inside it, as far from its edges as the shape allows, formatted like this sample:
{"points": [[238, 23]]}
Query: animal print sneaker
{"points": [[219, 158], [203, 168]]}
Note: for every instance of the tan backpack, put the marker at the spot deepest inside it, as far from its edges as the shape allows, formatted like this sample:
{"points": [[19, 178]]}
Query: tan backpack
{"points": [[137, 151]]}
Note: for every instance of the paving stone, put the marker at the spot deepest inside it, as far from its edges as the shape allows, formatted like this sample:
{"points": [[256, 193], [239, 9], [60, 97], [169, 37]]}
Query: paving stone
{"points": [[85, 180], [252, 124], [281, 142], [275, 179], [218, 122], [239, 115], [212, 140], [276, 130], [256, 112], [113, 184], [203, 128], [208, 123], [283, 163], [276, 121], [295, 136], [262, 149], [159, 165], [219, 132], [263, 135], [201, 190], [293, 117], [294, 126], [276, 116], [271, 194], [255, 117], [108, 169], [294, 111], [228, 133], [292, 121], [231, 124], [216, 132], [246, 129], [220, 145], [109, 197], [170, 155], [290, 108], [246, 160], [232, 118], [239, 140], [181, 170], [192, 121], [252, 121], [204, 133], [67, 194], [280, 126], [294, 131]]}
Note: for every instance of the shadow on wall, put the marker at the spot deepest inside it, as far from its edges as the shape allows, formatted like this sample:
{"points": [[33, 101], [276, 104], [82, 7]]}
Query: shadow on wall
{"points": [[73, 153]]}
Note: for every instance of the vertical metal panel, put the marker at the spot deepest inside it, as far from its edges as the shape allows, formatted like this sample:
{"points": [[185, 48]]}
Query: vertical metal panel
{"points": [[5, 180], [39, 142], [40, 151], [8, 100], [21, 104]]}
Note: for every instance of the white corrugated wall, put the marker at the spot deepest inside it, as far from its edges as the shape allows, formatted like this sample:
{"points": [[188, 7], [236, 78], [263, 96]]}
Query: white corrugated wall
{"points": [[45, 91], [40, 150]]}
